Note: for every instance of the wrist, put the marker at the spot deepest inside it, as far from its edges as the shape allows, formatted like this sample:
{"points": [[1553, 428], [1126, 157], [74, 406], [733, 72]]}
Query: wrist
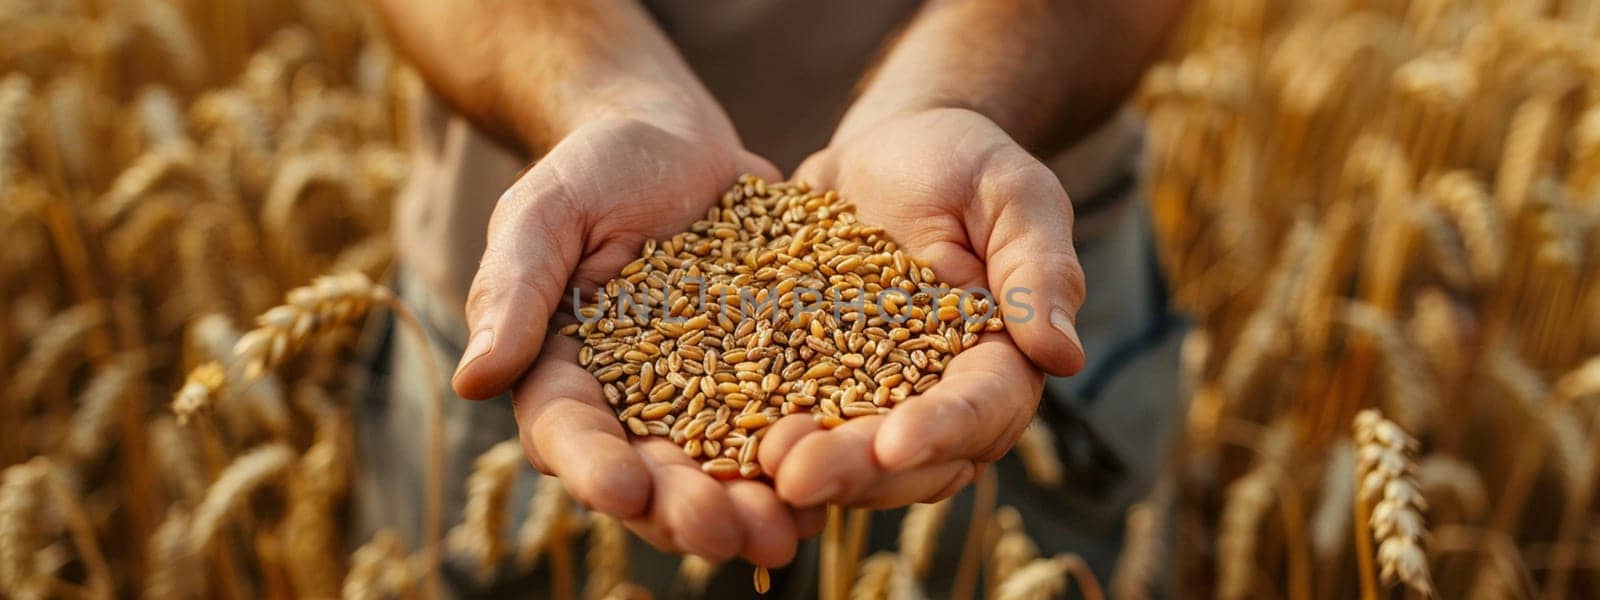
{"points": [[865, 116], [541, 112]]}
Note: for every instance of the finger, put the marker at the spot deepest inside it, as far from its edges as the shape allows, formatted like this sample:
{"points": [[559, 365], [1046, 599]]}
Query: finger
{"points": [[654, 534], [754, 164], [808, 522], [1031, 261], [781, 438], [534, 242], [985, 398], [570, 432], [828, 465], [816, 170], [924, 484], [770, 538], [692, 507]]}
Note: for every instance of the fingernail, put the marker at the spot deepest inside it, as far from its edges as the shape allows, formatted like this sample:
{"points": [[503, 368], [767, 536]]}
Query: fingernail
{"points": [[1062, 323], [480, 344], [820, 496]]}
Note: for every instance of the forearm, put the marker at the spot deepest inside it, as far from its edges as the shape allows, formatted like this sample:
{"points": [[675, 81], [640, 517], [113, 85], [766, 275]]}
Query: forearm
{"points": [[531, 71], [1044, 70]]}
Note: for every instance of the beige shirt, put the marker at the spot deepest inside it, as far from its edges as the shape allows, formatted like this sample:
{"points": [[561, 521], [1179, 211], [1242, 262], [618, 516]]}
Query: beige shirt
{"points": [[784, 71]]}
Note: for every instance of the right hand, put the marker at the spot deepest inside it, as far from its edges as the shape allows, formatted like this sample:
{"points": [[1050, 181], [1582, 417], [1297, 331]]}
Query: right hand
{"points": [[574, 219]]}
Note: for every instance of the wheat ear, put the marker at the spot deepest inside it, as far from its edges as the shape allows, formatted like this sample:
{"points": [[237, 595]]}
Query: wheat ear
{"points": [[1442, 473], [15, 91], [199, 392], [1248, 499], [317, 486], [1330, 524], [57, 339], [98, 409], [229, 493], [694, 573], [174, 569], [1411, 394], [1012, 547], [548, 510], [1388, 496], [1047, 578], [378, 569], [24, 515], [1037, 449], [872, 576], [1582, 382], [919, 534], [607, 559], [1143, 545], [479, 537], [337, 300], [329, 302], [81, 527]]}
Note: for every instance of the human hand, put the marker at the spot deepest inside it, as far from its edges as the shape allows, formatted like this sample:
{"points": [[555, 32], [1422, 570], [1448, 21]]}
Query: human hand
{"points": [[953, 189], [574, 220]]}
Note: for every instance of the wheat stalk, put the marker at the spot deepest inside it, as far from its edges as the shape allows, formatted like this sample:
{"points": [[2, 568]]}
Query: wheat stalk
{"points": [[984, 495]]}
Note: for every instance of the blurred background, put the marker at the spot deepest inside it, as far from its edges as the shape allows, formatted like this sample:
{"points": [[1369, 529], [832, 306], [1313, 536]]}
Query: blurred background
{"points": [[1359, 204]]}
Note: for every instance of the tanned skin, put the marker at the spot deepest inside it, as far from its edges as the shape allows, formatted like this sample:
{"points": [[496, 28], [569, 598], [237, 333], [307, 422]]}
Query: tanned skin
{"points": [[938, 148]]}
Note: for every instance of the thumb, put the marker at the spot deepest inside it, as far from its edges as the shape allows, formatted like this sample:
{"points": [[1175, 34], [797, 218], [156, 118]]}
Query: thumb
{"points": [[1029, 256], [534, 242], [817, 170]]}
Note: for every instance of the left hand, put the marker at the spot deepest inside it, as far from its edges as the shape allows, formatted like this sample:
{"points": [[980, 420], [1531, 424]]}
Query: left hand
{"points": [[953, 189]]}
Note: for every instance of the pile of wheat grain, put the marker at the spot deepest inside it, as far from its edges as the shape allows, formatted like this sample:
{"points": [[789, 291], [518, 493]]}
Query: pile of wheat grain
{"points": [[778, 303], [1383, 204]]}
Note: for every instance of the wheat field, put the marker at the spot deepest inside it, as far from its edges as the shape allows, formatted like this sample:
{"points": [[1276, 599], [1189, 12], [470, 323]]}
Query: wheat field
{"points": [[1380, 217]]}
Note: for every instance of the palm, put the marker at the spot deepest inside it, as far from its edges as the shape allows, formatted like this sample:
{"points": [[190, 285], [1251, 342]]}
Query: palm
{"points": [[950, 188], [573, 221]]}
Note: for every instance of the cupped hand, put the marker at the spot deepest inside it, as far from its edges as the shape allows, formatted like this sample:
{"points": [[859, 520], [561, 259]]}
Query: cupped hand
{"points": [[575, 219], [953, 189]]}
